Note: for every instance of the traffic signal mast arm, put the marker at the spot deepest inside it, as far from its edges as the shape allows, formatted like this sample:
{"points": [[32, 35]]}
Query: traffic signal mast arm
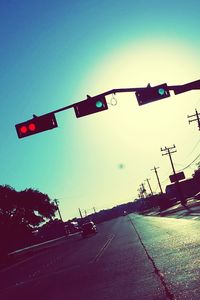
{"points": [[98, 103], [195, 85], [129, 90]]}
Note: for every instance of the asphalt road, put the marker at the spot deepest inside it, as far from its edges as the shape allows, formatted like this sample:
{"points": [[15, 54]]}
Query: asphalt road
{"points": [[132, 257]]}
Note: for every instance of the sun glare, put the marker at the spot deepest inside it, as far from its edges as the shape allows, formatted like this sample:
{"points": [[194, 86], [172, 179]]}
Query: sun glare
{"points": [[132, 131], [150, 61]]}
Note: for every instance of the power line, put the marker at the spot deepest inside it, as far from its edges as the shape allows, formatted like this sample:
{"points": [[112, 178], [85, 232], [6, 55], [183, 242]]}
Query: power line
{"points": [[194, 148], [187, 166], [191, 162], [165, 180]]}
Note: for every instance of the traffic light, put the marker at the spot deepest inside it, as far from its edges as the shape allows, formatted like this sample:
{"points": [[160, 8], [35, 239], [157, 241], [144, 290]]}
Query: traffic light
{"points": [[36, 125], [150, 94], [90, 106]]}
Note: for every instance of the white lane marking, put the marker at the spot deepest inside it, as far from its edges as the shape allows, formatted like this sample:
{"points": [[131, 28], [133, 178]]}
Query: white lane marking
{"points": [[102, 250]]}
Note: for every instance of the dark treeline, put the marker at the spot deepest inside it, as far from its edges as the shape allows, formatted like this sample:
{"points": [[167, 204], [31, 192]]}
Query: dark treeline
{"points": [[21, 213], [108, 214]]}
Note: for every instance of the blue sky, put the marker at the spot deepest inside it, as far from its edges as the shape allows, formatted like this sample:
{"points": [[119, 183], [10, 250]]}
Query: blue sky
{"points": [[54, 53]]}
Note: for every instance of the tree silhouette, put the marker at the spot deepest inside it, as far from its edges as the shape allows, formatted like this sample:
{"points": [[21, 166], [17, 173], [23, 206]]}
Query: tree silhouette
{"points": [[20, 213], [34, 207]]}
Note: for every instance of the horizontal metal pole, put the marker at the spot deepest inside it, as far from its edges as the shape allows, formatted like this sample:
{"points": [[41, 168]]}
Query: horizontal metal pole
{"points": [[123, 90]]}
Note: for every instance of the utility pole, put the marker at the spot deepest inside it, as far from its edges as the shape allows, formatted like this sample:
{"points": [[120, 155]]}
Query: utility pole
{"points": [[169, 151], [80, 213], [155, 170], [143, 190], [197, 118], [64, 229], [139, 193], [149, 185], [56, 201]]}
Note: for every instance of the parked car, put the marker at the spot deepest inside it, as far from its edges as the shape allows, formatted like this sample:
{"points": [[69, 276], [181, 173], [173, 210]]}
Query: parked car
{"points": [[71, 227], [88, 228]]}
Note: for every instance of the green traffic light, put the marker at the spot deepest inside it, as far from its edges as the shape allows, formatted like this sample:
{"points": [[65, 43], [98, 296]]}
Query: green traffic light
{"points": [[99, 104], [161, 91]]}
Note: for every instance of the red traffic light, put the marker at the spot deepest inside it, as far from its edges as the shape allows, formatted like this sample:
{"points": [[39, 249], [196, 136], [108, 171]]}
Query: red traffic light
{"points": [[25, 129], [32, 127], [36, 125]]}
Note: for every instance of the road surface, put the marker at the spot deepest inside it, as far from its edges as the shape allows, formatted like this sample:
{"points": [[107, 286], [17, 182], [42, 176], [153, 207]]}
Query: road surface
{"points": [[131, 257]]}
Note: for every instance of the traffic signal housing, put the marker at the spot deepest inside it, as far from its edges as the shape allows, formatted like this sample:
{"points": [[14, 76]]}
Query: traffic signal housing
{"points": [[36, 125], [90, 106], [150, 94]]}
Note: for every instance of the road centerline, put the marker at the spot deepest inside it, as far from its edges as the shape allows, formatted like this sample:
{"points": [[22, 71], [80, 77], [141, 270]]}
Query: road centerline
{"points": [[102, 250]]}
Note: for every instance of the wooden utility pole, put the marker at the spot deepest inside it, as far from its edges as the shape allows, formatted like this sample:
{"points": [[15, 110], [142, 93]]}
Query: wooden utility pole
{"points": [[149, 185], [169, 151], [143, 190], [139, 193], [197, 118], [56, 201], [80, 213], [155, 170]]}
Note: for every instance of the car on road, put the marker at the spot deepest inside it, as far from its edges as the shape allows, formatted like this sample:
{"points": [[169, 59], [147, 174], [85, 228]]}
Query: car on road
{"points": [[88, 228]]}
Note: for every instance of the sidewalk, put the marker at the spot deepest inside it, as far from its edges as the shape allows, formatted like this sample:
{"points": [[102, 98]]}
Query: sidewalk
{"points": [[178, 210]]}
